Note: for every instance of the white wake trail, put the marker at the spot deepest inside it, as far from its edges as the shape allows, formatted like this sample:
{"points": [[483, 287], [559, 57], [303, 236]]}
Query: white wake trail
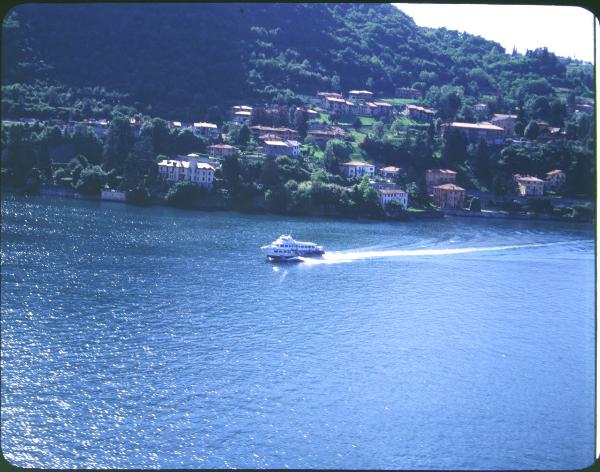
{"points": [[339, 257]]}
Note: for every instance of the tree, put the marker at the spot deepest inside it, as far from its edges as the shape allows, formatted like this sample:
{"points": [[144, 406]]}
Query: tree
{"points": [[140, 196], [336, 83], [215, 115], [449, 103], [356, 123], [184, 195], [244, 135], [269, 174], [33, 182], [539, 205], [368, 198], [91, 180], [301, 122], [230, 170], [378, 129], [87, 143], [336, 152], [19, 155], [519, 128], [186, 141], [44, 164], [158, 131], [117, 144], [475, 205], [455, 146], [532, 130]]}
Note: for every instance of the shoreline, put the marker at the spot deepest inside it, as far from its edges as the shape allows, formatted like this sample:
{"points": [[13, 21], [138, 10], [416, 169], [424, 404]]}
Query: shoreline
{"points": [[404, 216]]}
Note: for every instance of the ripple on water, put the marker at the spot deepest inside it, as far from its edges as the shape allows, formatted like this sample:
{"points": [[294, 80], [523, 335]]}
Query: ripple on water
{"points": [[154, 338]]}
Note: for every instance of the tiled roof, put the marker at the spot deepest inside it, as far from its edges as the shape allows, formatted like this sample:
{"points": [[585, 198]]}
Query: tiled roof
{"points": [[458, 124], [357, 163], [389, 191], [449, 187], [529, 179]]}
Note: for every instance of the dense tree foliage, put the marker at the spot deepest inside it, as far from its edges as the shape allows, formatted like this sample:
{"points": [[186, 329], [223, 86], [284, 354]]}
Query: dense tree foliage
{"points": [[191, 62], [184, 61]]}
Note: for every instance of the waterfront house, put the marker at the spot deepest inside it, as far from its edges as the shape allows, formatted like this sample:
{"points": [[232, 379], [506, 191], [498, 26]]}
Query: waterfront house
{"points": [[419, 113], [281, 148], [529, 186], [435, 177], [555, 179], [389, 172], [222, 150], [360, 94], [507, 122], [473, 132], [448, 196], [187, 168], [357, 169], [389, 195], [206, 130], [175, 124]]}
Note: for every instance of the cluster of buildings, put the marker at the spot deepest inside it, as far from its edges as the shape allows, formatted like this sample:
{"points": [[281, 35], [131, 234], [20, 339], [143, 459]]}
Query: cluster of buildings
{"points": [[277, 141], [358, 103], [531, 186], [441, 183]]}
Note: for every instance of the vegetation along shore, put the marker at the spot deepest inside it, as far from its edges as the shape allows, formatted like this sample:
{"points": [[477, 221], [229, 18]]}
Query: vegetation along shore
{"points": [[344, 110]]}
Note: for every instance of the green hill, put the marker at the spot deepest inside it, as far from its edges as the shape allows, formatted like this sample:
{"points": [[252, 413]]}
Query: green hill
{"points": [[176, 60]]}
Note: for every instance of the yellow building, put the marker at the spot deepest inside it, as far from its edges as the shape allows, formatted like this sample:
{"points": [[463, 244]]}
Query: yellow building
{"points": [[448, 196], [435, 177]]}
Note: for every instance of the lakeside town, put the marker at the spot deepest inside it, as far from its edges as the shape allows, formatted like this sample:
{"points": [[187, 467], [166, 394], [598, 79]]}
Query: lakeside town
{"points": [[327, 125]]}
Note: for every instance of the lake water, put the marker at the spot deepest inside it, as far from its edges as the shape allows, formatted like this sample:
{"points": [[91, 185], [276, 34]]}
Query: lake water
{"points": [[158, 338]]}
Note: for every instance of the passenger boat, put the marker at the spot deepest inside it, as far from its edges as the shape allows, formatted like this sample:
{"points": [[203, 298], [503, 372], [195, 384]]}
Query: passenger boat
{"points": [[285, 248]]}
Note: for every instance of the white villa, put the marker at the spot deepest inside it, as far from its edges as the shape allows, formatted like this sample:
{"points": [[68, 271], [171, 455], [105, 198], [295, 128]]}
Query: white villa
{"points": [[187, 168], [388, 195], [358, 169]]}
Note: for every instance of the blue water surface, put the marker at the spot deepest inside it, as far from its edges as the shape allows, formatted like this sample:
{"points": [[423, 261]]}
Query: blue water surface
{"points": [[158, 338]]}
